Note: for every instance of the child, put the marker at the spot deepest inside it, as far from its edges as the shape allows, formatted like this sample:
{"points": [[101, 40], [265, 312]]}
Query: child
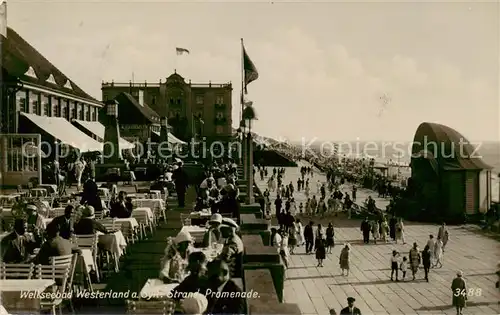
{"points": [[394, 265], [301, 208], [320, 251], [404, 267]]}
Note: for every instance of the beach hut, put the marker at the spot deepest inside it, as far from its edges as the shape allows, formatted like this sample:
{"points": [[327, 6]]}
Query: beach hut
{"points": [[449, 173]]}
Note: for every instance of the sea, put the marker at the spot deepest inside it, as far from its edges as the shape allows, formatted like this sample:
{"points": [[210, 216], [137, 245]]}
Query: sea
{"points": [[400, 153]]}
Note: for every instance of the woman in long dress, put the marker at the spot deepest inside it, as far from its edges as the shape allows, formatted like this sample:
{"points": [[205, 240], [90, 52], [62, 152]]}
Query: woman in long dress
{"points": [[459, 291], [438, 253], [443, 234], [330, 238], [384, 229], [271, 184], [400, 231], [308, 207], [320, 235], [344, 259], [415, 258], [292, 237], [300, 232]]}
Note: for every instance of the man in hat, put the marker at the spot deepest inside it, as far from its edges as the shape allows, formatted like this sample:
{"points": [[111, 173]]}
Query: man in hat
{"points": [[213, 235], [224, 295], [350, 309], [88, 225], [233, 247], [181, 183], [35, 220]]}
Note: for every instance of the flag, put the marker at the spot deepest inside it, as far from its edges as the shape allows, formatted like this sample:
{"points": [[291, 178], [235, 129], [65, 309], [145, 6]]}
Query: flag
{"points": [[250, 70], [181, 51], [3, 18]]}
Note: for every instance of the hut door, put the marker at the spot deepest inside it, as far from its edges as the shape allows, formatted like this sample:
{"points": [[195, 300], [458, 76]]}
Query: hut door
{"points": [[470, 192]]}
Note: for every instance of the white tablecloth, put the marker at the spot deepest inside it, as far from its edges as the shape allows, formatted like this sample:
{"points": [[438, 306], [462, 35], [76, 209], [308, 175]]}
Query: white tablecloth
{"points": [[24, 285], [196, 232], [127, 223], [205, 213], [156, 289], [154, 204], [88, 260], [210, 252], [141, 212], [115, 242]]}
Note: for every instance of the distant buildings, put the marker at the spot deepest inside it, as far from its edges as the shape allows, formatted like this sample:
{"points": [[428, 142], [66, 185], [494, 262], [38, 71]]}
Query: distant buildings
{"points": [[202, 110]]}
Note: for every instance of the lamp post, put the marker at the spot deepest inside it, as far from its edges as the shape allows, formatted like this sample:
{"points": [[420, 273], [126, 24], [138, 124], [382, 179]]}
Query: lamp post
{"points": [[248, 115]]}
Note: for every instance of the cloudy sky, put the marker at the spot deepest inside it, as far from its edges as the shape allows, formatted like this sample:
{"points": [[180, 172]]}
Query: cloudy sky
{"points": [[324, 68]]}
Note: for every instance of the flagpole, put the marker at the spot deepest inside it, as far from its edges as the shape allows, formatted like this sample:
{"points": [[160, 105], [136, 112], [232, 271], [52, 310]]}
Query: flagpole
{"points": [[242, 79]]}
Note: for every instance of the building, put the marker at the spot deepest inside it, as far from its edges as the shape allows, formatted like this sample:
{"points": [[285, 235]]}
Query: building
{"points": [[37, 104], [446, 173], [192, 109]]}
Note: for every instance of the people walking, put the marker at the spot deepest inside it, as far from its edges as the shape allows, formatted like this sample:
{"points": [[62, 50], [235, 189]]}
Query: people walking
{"points": [[443, 234], [426, 261], [459, 291], [309, 237], [320, 251], [438, 253], [330, 238], [394, 265], [366, 229], [400, 231], [344, 259], [414, 255]]}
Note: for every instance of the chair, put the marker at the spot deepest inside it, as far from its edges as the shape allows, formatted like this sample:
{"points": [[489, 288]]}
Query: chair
{"points": [[88, 242], [17, 271], [144, 223], [70, 261], [60, 275], [165, 307]]}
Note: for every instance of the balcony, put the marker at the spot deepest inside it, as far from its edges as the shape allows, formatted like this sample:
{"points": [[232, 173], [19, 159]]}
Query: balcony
{"points": [[220, 120]]}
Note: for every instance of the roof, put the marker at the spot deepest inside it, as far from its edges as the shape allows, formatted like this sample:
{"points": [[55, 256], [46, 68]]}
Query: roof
{"points": [[450, 148], [64, 131], [146, 111], [98, 129], [19, 58]]}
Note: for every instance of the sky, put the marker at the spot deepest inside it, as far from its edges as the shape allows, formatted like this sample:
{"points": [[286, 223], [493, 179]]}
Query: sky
{"points": [[329, 71]]}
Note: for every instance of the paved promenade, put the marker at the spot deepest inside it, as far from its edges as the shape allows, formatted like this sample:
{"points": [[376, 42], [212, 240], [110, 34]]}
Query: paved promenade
{"points": [[316, 290]]}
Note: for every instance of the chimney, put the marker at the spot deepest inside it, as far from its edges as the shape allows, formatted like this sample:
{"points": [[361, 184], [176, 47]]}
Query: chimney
{"points": [[3, 17], [141, 97]]}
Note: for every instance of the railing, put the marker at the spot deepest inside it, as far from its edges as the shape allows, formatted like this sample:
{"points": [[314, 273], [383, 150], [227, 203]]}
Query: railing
{"points": [[130, 84], [146, 84]]}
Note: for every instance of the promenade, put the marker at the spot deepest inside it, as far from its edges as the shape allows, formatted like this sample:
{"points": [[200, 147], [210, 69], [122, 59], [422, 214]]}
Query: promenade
{"points": [[316, 290]]}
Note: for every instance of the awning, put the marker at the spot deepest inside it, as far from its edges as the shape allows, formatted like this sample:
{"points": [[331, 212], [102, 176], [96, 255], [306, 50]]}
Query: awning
{"points": [[97, 129], [171, 138], [64, 131]]}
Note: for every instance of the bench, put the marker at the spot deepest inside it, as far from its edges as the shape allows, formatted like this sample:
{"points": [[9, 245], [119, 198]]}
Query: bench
{"points": [[250, 224], [268, 301]]}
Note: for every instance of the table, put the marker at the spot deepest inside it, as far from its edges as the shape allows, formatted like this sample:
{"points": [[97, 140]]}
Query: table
{"points": [[11, 294], [210, 252], [197, 232], [87, 259], [156, 289], [115, 242], [200, 214], [143, 212], [127, 223]]}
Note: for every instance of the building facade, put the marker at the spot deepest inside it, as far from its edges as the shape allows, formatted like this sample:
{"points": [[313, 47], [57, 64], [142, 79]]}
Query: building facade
{"points": [[193, 110]]}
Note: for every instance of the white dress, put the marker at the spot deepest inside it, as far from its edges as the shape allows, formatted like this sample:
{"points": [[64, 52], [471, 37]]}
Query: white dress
{"points": [[300, 233], [438, 250]]}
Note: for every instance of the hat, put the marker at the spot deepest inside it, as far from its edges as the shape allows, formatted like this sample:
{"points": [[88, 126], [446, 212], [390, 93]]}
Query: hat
{"points": [[195, 303], [88, 212], [183, 236], [31, 207], [460, 273], [351, 299], [229, 223], [216, 218]]}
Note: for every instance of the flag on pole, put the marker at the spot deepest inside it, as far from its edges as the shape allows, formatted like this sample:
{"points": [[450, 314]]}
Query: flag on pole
{"points": [[250, 70], [181, 51], [3, 18]]}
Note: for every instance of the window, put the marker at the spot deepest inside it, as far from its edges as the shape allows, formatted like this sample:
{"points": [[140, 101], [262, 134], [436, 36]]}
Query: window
{"points": [[87, 112], [21, 101], [17, 159], [56, 110], [219, 130], [178, 101], [219, 100], [64, 109], [94, 113], [34, 105], [72, 110], [199, 99], [219, 115], [81, 113], [153, 100], [45, 105]]}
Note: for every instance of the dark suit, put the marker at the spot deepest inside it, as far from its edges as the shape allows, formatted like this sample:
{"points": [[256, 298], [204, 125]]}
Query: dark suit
{"points": [[181, 182], [346, 311], [190, 284], [120, 209], [65, 226], [88, 226], [16, 248], [226, 304], [55, 247]]}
